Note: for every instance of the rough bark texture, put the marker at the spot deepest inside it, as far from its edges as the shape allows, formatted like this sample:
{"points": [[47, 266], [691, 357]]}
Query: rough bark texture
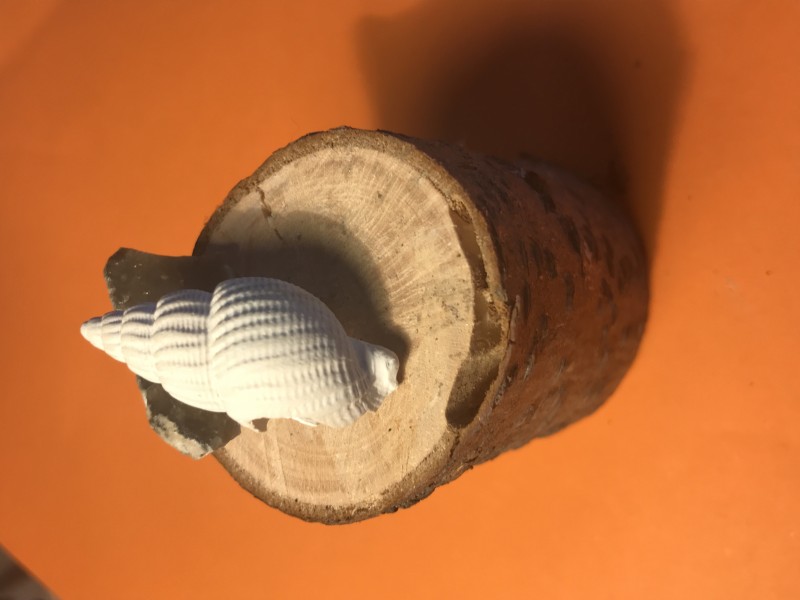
{"points": [[575, 275], [561, 291]]}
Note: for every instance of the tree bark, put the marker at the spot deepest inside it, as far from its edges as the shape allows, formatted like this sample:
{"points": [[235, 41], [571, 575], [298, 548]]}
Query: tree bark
{"points": [[515, 298]]}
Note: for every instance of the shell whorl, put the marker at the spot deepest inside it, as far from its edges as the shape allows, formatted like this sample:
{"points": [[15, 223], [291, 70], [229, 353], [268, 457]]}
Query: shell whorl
{"points": [[255, 347]]}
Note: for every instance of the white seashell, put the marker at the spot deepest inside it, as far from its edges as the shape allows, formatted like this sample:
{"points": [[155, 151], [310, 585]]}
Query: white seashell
{"points": [[254, 348]]}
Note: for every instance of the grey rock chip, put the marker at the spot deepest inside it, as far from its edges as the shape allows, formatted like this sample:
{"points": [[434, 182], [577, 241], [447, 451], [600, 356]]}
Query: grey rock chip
{"points": [[135, 277]]}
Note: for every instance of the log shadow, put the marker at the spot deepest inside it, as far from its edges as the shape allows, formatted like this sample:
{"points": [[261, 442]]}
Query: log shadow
{"points": [[591, 87]]}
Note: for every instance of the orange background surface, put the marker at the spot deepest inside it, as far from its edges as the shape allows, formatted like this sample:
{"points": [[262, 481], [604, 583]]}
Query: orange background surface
{"points": [[126, 123]]}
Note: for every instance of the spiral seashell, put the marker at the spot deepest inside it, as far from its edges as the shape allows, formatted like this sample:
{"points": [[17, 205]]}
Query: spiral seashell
{"points": [[255, 347]]}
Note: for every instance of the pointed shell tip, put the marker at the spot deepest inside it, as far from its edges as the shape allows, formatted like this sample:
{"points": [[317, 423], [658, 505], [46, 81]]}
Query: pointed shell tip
{"points": [[90, 330]]}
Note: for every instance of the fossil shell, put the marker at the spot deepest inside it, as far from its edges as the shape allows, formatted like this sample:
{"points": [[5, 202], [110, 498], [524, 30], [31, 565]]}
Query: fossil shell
{"points": [[255, 347]]}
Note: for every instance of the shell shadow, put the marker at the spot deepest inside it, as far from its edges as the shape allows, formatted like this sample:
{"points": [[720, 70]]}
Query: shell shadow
{"points": [[591, 87], [319, 255]]}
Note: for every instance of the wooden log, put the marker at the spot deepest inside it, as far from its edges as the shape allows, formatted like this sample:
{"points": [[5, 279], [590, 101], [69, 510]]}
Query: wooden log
{"points": [[514, 297]]}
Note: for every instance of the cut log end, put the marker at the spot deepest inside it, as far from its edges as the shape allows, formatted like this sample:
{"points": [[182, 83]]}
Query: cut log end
{"points": [[505, 301], [375, 229]]}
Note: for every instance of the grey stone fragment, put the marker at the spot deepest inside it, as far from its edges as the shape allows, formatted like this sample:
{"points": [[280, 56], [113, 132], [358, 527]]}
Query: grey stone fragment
{"points": [[135, 277], [193, 431]]}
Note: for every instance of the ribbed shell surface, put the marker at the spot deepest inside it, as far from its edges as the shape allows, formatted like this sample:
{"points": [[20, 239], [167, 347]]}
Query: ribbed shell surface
{"points": [[275, 347], [137, 324], [179, 344]]}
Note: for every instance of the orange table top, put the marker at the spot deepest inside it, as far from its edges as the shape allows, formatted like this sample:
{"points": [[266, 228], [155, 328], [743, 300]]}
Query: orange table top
{"points": [[126, 123]]}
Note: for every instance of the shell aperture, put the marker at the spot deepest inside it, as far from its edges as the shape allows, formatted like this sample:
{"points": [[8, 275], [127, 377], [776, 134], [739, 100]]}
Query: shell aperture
{"points": [[255, 347]]}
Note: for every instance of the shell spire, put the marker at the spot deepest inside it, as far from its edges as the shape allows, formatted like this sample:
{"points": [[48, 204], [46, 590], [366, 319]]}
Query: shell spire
{"points": [[255, 347], [91, 329]]}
